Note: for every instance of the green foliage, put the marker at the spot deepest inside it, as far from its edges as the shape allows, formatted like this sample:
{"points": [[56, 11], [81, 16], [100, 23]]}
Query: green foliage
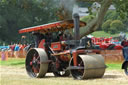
{"points": [[106, 25], [18, 14], [116, 26], [111, 14], [113, 30], [117, 23], [121, 6], [87, 18]]}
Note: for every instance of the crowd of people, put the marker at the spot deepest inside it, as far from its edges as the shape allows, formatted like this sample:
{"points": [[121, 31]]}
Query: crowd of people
{"points": [[15, 50]]}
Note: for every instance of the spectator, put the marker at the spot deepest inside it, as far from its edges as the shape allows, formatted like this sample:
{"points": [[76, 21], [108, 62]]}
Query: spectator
{"points": [[3, 56], [16, 51], [12, 47], [124, 43]]}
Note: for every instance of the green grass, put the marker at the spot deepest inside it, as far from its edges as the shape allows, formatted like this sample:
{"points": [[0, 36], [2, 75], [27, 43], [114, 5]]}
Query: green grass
{"points": [[13, 62], [21, 62], [103, 34], [17, 76], [112, 66]]}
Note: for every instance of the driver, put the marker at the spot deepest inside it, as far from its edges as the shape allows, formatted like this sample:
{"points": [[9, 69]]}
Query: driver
{"points": [[38, 38]]}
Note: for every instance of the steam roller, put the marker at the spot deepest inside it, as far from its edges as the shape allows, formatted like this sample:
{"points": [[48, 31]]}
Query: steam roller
{"points": [[36, 65], [89, 66], [63, 57]]}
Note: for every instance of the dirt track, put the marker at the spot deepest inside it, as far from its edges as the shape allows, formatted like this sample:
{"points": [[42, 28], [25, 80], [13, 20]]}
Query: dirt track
{"points": [[11, 74]]}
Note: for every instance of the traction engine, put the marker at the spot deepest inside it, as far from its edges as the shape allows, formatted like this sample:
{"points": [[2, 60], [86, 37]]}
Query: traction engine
{"points": [[73, 56]]}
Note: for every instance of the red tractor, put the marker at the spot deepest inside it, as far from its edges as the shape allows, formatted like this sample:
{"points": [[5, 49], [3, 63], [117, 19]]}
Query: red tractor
{"points": [[61, 54]]}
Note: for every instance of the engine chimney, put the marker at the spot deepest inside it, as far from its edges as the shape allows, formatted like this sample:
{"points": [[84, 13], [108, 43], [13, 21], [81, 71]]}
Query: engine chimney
{"points": [[76, 27]]}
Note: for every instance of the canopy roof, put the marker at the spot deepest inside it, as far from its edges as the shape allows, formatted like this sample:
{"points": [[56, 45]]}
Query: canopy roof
{"points": [[52, 27]]}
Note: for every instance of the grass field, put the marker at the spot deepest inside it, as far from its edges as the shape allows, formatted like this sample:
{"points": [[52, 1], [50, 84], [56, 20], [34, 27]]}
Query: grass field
{"points": [[13, 73], [20, 62], [13, 62], [104, 34]]}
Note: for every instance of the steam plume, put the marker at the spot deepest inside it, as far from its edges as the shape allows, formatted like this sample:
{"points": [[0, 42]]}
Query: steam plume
{"points": [[66, 9]]}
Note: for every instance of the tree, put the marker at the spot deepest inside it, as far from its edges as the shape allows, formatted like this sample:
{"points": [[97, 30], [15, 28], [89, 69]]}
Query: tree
{"points": [[114, 15], [18, 14], [111, 14], [87, 19], [97, 21], [106, 25], [121, 5], [116, 26]]}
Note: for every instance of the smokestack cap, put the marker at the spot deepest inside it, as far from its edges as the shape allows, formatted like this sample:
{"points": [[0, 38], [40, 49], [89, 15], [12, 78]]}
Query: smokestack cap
{"points": [[76, 15]]}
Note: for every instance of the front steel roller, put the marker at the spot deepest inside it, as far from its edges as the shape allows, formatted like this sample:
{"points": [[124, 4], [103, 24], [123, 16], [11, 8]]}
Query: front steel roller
{"points": [[88, 66], [36, 63]]}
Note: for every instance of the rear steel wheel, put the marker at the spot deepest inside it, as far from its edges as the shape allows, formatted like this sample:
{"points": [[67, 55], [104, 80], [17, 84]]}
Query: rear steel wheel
{"points": [[35, 65]]}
